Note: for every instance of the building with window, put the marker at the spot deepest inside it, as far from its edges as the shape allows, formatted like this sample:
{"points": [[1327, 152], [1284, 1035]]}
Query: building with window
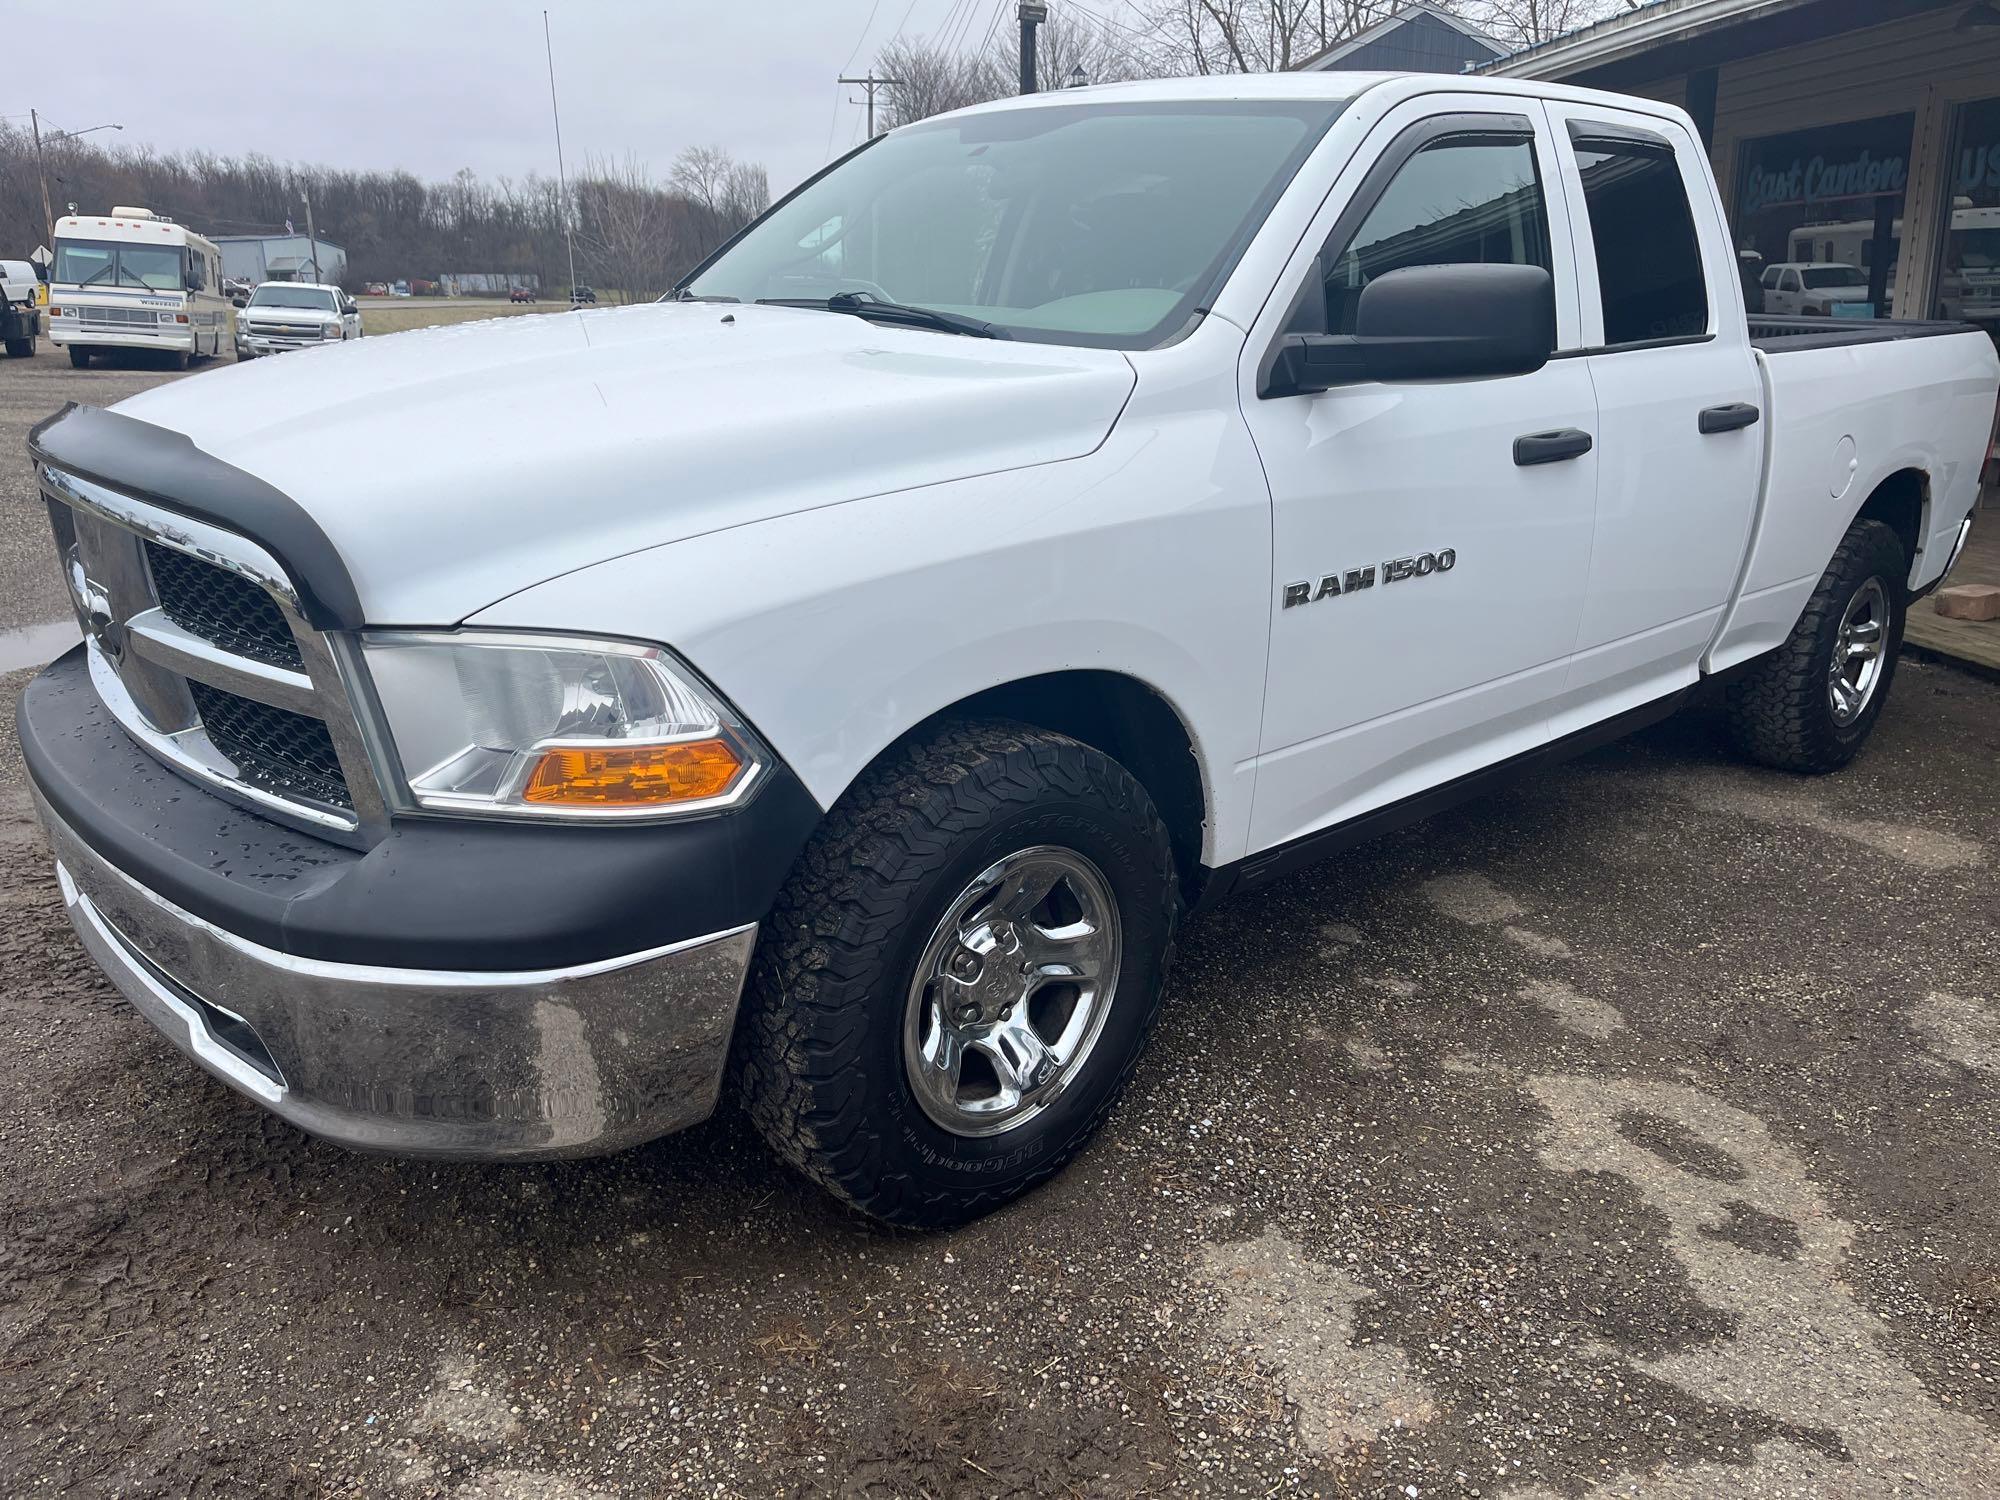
{"points": [[1857, 141], [1418, 38]]}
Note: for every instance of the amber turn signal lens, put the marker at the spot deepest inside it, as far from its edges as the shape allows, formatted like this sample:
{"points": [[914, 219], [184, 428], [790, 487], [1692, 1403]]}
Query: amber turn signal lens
{"points": [[633, 775]]}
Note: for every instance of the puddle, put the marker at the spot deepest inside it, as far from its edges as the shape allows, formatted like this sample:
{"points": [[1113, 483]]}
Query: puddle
{"points": [[36, 645]]}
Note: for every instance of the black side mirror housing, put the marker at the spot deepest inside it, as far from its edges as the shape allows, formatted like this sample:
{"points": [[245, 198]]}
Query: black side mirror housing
{"points": [[1428, 323]]}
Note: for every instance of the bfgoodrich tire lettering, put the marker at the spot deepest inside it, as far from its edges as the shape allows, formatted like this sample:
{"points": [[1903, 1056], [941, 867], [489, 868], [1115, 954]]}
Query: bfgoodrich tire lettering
{"points": [[1782, 711], [820, 1055]]}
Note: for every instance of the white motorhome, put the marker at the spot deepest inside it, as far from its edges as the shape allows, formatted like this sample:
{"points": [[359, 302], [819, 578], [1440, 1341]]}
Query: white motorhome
{"points": [[1968, 283], [133, 280]]}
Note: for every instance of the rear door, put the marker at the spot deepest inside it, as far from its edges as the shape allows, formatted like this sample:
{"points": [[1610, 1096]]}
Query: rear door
{"points": [[1435, 584], [1680, 440]]}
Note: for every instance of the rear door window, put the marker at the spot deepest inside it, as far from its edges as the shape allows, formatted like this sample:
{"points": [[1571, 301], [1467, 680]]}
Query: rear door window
{"points": [[1648, 256]]}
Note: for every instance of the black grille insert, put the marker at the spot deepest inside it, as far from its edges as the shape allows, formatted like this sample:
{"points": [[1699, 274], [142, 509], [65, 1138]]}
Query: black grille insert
{"points": [[274, 749], [222, 607]]}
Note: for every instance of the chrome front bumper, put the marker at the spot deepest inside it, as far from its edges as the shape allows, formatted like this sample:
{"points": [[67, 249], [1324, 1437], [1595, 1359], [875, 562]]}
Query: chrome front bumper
{"points": [[562, 1062]]}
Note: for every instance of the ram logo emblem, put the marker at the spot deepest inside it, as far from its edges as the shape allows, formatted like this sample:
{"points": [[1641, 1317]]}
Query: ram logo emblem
{"points": [[1333, 585]]}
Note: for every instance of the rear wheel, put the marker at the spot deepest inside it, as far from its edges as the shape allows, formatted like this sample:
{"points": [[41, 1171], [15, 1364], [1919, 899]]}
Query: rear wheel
{"points": [[1811, 704], [80, 358], [20, 348], [960, 973]]}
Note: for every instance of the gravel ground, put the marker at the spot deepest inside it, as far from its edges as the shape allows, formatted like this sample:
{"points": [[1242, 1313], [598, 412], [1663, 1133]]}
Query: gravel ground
{"points": [[1636, 1131]]}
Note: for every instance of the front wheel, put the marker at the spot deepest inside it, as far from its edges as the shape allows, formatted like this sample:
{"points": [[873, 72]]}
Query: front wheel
{"points": [[79, 358], [960, 973], [1811, 704]]}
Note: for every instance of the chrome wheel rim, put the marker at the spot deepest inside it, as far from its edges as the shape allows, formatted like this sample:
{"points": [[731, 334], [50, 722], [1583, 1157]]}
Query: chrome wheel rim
{"points": [[1856, 669], [1011, 992]]}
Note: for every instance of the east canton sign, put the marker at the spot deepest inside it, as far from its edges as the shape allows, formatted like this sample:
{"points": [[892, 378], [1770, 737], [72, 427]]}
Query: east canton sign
{"points": [[1863, 159]]}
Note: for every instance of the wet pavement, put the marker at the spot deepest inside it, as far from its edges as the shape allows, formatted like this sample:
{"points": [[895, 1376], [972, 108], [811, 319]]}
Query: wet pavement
{"points": [[1634, 1131]]}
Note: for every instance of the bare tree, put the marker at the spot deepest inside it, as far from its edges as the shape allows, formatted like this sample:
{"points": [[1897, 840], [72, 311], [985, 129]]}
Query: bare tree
{"points": [[1523, 23], [722, 193], [930, 80]]}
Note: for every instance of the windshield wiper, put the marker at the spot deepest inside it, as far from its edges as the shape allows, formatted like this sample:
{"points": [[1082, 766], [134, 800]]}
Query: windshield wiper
{"points": [[864, 305], [104, 270]]}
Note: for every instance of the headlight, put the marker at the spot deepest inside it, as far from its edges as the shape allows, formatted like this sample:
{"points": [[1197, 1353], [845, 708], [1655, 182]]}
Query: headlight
{"points": [[330, 331], [527, 726], [166, 317]]}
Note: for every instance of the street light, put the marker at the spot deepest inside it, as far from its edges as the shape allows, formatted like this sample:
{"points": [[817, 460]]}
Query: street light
{"points": [[1077, 77], [42, 170]]}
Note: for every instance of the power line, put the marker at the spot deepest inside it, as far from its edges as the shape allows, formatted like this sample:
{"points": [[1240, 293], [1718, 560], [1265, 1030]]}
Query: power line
{"points": [[863, 37]]}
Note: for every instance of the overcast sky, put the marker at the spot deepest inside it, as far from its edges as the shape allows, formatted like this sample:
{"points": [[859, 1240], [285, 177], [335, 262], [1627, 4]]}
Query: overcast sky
{"points": [[435, 85]]}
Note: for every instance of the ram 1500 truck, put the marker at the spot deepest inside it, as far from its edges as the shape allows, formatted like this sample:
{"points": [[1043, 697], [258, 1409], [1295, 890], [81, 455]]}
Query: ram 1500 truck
{"points": [[1052, 517]]}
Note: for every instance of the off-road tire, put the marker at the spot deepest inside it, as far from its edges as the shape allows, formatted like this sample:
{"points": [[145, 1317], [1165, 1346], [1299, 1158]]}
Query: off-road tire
{"points": [[1777, 711], [20, 348], [819, 1055], [79, 358]]}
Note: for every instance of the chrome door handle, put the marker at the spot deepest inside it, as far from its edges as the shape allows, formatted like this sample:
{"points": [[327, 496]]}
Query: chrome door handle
{"points": [[1728, 418], [1551, 447]]}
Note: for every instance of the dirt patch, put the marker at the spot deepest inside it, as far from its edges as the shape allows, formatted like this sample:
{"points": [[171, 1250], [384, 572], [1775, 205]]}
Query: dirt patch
{"points": [[1920, 847], [1296, 1319], [1575, 1012], [1803, 1351], [1960, 1029], [1539, 944], [1468, 897]]}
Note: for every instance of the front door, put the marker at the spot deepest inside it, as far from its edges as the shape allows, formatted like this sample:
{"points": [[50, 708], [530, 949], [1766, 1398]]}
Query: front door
{"points": [[1426, 586]]}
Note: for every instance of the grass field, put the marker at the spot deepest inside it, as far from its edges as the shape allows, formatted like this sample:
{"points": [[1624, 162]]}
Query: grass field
{"points": [[394, 314]]}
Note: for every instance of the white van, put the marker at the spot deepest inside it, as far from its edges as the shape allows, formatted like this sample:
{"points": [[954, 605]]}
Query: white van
{"points": [[132, 280]]}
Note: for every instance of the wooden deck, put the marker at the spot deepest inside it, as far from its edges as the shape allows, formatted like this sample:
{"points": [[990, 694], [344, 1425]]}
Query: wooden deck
{"points": [[1974, 641]]}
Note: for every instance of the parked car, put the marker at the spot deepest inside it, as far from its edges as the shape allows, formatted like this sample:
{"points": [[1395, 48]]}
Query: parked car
{"points": [[520, 294], [1812, 288], [20, 312], [581, 296], [866, 687], [285, 315]]}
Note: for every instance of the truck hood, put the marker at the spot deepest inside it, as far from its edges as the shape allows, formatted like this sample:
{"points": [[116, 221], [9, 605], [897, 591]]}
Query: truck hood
{"points": [[453, 466]]}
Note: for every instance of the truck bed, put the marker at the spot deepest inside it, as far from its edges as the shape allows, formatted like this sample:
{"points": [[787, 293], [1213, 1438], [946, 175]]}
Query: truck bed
{"points": [[1848, 406], [1785, 335]]}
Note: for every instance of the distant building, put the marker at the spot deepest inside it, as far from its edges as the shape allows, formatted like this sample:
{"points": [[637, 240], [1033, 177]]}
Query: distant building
{"points": [[1418, 38], [279, 257], [488, 283]]}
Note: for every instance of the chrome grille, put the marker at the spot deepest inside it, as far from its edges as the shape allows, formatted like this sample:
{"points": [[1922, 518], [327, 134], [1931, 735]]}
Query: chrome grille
{"points": [[223, 608], [118, 317], [199, 647]]}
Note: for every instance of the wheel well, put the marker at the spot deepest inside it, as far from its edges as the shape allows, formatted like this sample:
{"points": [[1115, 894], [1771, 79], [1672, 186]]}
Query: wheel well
{"points": [[1900, 502], [1129, 722]]}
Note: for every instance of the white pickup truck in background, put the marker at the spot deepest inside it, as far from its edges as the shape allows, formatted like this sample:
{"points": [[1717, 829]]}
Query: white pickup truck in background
{"points": [[1052, 518], [281, 315]]}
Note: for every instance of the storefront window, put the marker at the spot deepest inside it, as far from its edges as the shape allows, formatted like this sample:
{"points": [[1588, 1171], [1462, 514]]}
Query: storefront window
{"points": [[1968, 279], [1818, 219]]}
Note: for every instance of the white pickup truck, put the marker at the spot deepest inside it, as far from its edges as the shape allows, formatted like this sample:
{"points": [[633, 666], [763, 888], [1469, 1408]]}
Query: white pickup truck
{"points": [[1051, 518]]}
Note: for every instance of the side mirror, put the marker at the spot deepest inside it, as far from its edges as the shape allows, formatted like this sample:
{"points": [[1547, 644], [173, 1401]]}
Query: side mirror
{"points": [[1428, 323]]}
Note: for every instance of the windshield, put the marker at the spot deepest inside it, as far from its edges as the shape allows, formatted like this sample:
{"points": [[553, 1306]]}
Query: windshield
{"points": [[293, 296], [115, 263], [1101, 224], [1835, 276]]}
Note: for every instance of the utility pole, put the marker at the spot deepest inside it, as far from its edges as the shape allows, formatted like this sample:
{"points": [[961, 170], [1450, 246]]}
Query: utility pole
{"points": [[562, 182], [1032, 13], [42, 170], [312, 235], [872, 83]]}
